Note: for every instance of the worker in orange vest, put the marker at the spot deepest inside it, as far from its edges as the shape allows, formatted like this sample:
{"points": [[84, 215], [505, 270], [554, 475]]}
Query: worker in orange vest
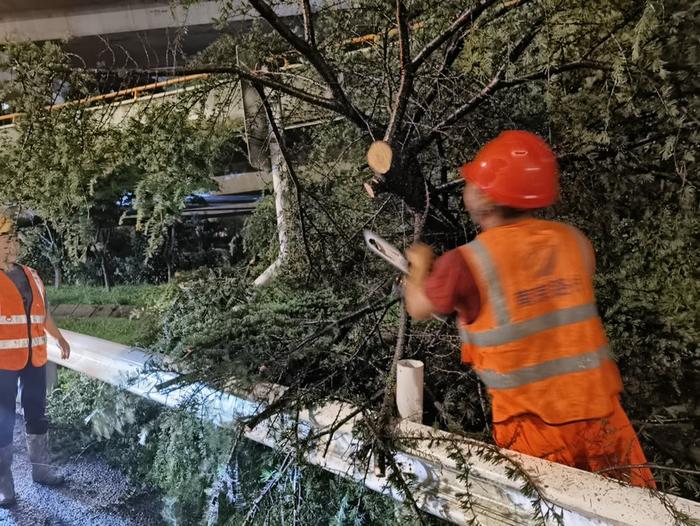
{"points": [[523, 294], [24, 323]]}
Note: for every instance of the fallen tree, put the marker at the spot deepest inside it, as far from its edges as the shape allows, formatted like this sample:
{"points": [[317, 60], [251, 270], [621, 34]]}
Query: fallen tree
{"points": [[612, 87]]}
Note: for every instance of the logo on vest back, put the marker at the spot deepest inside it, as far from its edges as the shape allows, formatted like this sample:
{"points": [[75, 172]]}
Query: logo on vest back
{"points": [[552, 289]]}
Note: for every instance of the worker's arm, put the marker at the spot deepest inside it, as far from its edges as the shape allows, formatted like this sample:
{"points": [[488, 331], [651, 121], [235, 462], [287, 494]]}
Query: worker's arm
{"points": [[56, 333], [420, 257]]}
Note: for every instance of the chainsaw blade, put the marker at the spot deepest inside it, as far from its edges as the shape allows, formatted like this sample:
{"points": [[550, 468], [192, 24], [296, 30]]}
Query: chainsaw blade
{"points": [[386, 251]]}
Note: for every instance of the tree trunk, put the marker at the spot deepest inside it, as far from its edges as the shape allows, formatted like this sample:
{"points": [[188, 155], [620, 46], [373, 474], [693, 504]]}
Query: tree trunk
{"points": [[57, 274], [171, 252], [280, 185], [105, 274]]}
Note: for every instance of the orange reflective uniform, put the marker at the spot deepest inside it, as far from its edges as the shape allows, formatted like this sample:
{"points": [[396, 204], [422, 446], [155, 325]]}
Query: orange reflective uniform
{"points": [[539, 346], [14, 335], [592, 445]]}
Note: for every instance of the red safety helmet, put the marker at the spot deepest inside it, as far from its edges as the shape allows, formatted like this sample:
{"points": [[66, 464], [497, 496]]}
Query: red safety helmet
{"points": [[516, 169]]}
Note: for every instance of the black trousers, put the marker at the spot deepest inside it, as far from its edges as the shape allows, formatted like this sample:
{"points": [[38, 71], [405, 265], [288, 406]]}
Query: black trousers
{"points": [[33, 382]]}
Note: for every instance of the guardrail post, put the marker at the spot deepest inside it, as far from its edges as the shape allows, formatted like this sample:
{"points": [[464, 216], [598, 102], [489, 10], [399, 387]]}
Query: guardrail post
{"points": [[51, 376]]}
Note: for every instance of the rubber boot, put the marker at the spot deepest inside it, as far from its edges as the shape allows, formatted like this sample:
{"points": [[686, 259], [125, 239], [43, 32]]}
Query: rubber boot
{"points": [[7, 485], [42, 471]]}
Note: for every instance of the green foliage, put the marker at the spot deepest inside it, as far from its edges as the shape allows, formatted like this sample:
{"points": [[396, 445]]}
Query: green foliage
{"points": [[136, 295], [165, 449], [181, 456], [234, 334], [121, 330], [188, 453], [80, 168], [259, 236], [282, 491], [172, 164]]}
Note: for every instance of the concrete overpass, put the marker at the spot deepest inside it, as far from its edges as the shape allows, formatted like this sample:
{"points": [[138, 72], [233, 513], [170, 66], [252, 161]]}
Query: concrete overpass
{"points": [[118, 33], [143, 34]]}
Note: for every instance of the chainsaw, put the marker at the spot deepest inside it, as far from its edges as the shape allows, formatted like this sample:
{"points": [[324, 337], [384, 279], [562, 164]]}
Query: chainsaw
{"points": [[391, 255], [386, 251]]}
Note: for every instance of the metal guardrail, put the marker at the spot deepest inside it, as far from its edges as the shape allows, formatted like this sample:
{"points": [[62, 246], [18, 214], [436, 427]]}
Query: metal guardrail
{"points": [[582, 498], [132, 93]]}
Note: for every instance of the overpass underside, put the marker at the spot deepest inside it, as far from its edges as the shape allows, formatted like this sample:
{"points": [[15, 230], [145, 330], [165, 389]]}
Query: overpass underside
{"points": [[126, 33]]}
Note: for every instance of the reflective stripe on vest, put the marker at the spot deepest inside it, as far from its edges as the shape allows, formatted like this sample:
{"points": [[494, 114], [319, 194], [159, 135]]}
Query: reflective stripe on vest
{"points": [[21, 319], [38, 283], [22, 343], [544, 370], [488, 269], [515, 331]]}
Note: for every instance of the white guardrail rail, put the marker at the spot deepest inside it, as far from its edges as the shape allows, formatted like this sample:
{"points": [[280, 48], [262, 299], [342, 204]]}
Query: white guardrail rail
{"points": [[582, 498]]}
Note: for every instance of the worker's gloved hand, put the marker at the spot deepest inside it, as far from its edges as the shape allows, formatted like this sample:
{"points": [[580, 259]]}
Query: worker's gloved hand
{"points": [[420, 258]]}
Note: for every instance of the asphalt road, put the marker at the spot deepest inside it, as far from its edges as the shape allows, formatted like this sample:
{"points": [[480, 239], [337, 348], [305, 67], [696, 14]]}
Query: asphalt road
{"points": [[94, 494]]}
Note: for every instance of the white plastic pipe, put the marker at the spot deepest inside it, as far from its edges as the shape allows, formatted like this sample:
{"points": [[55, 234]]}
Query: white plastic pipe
{"points": [[409, 390]]}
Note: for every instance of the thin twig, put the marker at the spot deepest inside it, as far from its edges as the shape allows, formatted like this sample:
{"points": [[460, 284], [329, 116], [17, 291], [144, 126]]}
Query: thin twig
{"points": [[407, 69], [494, 85], [650, 466], [315, 58], [465, 19], [286, 463]]}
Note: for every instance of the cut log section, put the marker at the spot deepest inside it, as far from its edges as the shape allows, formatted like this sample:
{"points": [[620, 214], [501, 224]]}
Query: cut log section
{"points": [[379, 157]]}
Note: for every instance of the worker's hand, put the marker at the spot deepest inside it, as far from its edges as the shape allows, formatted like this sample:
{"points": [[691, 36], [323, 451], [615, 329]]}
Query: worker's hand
{"points": [[420, 258], [65, 348]]}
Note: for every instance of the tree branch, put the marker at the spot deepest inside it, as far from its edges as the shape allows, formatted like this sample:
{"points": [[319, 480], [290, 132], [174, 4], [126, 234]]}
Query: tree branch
{"points": [[463, 21], [317, 60], [406, 82], [451, 55], [251, 75], [556, 70], [494, 85], [443, 172], [309, 33], [449, 186], [505, 7]]}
